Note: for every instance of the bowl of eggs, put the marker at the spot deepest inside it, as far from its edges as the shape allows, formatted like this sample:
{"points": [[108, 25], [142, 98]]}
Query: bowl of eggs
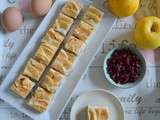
{"points": [[124, 67]]}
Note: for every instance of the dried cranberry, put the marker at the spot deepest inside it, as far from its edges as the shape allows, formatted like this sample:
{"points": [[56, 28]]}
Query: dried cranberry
{"points": [[124, 66]]}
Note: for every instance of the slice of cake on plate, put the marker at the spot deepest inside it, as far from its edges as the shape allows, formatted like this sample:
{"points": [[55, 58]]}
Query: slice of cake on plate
{"points": [[97, 113]]}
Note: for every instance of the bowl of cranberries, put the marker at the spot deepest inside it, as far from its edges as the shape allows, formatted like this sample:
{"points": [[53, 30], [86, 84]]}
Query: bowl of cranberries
{"points": [[124, 66]]}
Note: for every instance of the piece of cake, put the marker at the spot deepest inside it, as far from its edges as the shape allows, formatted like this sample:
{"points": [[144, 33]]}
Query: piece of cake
{"points": [[71, 9], [92, 15], [22, 86], [63, 24], [40, 99], [54, 38], [34, 69], [64, 61], [83, 31], [74, 45], [45, 53], [52, 80], [97, 113]]}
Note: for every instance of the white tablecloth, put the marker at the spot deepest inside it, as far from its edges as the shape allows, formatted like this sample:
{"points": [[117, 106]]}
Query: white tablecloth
{"points": [[140, 103]]}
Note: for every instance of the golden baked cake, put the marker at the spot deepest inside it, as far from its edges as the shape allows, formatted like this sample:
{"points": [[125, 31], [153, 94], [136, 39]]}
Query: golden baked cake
{"points": [[34, 69], [52, 80], [63, 24], [83, 31], [54, 38], [22, 86], [71, 9], [97, 113], [74, 45], [45, 53], [40, 99], [92, 15], [63, 61]]}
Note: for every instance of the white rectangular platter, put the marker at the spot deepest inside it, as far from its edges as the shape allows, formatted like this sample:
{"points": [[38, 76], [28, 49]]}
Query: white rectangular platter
{"points": [[65, 91]]}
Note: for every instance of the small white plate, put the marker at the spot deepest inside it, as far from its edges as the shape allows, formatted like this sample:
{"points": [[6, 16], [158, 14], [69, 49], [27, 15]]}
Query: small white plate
{"points": [[97, 98]]}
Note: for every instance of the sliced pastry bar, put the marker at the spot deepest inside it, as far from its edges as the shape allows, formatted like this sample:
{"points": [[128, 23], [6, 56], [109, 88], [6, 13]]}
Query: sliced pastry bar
{"points": [[54, 38], [74, 45], [92, 15], [52, 80], [45, 52], [63, 24], [64, 61], [22, 86], [83, 31], [40, 99], [34, 69], [97, 113], [71, 9]]}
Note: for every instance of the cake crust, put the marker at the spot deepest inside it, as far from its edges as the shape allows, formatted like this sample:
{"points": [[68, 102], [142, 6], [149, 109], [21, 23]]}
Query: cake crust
{"points": [[71, 9], [64, 61], [22, 86], [52, 80], [74, 45], [97, 113], [34, 69], [93, 15], [63, 24], [83, 31], [40, 100]]}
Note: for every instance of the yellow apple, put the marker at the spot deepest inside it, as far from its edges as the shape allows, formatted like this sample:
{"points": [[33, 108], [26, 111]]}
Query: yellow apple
{"points": [[123, 8], [147, 33]]}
